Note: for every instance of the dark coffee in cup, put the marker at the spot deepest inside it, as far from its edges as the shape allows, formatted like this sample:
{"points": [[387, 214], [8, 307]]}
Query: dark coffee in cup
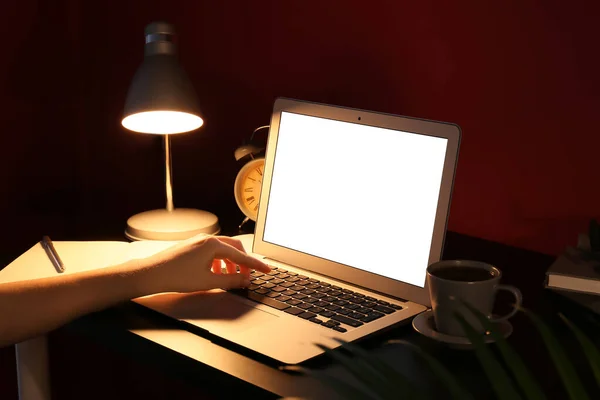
{"points": [[463, 274]]}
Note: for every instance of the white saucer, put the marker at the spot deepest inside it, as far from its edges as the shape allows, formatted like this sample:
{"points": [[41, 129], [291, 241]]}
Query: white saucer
{"points": [[425, 325]]}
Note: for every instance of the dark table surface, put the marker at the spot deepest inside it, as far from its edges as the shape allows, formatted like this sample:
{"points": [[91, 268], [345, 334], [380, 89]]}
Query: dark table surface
{"points": [[102, 351]]}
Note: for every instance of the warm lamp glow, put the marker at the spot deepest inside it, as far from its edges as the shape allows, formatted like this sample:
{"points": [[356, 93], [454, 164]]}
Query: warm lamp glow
{"points": [[162, 122]]}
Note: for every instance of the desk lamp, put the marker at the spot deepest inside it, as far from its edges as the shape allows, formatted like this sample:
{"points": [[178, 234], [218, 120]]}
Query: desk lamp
{"points": [[161, 100]]}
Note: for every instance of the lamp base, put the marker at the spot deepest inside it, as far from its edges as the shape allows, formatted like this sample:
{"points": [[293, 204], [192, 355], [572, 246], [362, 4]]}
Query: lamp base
{"points": [[179, 224]]}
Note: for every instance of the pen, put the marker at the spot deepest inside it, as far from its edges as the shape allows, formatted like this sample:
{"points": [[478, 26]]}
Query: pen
{"points": [[52, 254]]}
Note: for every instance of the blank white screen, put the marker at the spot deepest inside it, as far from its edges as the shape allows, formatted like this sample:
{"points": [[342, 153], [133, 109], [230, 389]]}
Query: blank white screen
{"points": [[358, 195]]}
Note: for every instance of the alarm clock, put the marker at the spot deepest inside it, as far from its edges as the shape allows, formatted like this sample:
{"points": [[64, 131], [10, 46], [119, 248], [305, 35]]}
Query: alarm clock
{"points": [[248, 182]]}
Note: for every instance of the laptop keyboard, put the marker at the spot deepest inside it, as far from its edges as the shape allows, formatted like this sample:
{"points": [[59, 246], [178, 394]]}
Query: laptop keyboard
{"points": [[315, 301]]}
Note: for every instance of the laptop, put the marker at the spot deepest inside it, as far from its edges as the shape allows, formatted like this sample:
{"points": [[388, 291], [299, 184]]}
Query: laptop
{"points": [[353, 208]]}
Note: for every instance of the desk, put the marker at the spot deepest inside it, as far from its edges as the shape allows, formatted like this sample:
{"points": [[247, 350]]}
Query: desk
{"points": [[131, 352]]}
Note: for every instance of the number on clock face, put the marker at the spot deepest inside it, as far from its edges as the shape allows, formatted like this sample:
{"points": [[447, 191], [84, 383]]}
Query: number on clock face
{"points": [[251, 187], [247, 187]]}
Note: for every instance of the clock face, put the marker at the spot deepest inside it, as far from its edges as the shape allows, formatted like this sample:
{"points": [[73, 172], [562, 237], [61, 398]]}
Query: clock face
{"points": [[247, 187]]}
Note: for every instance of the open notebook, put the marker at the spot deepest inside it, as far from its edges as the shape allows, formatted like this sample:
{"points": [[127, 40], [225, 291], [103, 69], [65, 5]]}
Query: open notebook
{"points": [[77, 256]]}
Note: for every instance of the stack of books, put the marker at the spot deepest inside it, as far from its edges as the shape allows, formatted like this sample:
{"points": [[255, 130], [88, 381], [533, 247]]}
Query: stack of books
{"points": [[576, 278]]}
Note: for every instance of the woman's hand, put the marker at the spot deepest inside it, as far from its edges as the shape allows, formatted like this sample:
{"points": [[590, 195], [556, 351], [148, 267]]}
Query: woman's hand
{"points": [[195, 264]]}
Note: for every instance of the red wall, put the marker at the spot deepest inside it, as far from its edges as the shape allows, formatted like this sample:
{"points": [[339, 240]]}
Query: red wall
{"points": [[519, 77]]}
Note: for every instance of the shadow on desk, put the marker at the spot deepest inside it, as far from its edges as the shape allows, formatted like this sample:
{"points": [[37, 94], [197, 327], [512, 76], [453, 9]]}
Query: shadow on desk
{"points": [[84, 369], [117, 365]]}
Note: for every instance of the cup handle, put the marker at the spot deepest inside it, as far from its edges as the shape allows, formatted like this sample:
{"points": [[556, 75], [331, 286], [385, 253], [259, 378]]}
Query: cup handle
{"points": [[518, 301]]}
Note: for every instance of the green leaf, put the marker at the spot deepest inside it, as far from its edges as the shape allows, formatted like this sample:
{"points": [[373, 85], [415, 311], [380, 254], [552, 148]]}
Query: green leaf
{"points": [[344, 389], [363, 370], [442, 373], [517, 367], [500, 380], [561, 362], [591, 351], [594, 233]]}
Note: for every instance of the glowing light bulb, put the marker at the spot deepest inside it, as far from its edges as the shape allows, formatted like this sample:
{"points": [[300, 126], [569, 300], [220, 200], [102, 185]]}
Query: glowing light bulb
{"points": [[162, 122]]}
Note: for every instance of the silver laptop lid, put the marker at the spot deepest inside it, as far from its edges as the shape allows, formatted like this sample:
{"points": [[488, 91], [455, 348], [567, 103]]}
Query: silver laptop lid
{"points": [[359, 196]]}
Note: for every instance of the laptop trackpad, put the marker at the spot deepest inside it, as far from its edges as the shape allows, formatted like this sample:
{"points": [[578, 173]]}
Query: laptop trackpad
{"points": [[216, 311]]}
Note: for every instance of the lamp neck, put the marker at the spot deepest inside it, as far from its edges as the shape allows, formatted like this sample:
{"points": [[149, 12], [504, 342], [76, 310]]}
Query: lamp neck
{"points": [[168, 174]]}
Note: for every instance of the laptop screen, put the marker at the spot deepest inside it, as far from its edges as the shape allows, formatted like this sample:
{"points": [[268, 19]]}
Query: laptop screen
{"points": [[358, 195]]}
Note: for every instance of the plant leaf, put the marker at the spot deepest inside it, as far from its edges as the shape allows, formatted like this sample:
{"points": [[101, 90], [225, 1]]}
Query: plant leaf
{"points": [[594, 233], [591, 351], [445, 376], [501, 382], [364, 372], [345, 390], [388, 372], [519, 371], [561, 361]]}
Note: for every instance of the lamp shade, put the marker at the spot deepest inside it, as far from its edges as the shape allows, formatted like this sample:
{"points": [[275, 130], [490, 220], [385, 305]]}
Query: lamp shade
{"points": [[161, 98]]}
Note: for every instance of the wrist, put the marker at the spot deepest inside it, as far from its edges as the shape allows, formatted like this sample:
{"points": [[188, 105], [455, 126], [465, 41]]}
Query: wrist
{"points": [[143, 276]]}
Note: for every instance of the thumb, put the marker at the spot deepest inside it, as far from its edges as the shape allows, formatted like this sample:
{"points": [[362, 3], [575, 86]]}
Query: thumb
{"points": [[230, 281]]}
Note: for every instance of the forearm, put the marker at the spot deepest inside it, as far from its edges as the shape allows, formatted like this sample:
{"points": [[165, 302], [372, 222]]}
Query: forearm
{"points": [[34, 307]]}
